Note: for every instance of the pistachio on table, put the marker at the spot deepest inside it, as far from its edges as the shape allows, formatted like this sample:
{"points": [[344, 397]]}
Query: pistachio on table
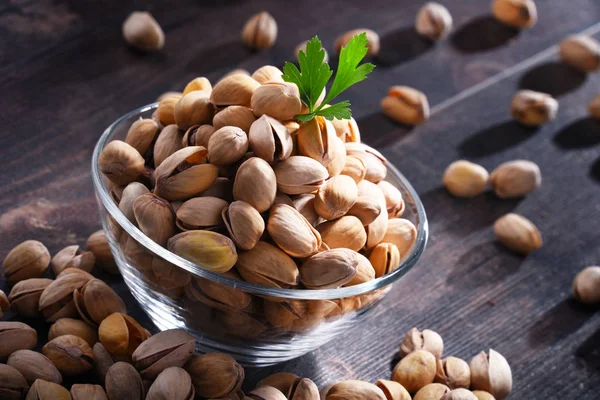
{"points": [[72, 257], [33, 365], [459, 394], [431, 391], [260, 31], [170, 348], [354, 390], [215, 375], [594, 107], [29, 259], [415, 370], [581, 52], [406, 105], [393, 390], [532, 108], [586, 285], [13, 385], [141, 31], [433, 21], [422, 340], [173, 383], [96, 301], [453, 372], [70, 354], [515, 178], [97, 243], [465, 179], [124, 382], [87, 392], [77, 327], [517, 233], [490, 372], [24, 297], [41, 390], [15, 336], [515, 13]]}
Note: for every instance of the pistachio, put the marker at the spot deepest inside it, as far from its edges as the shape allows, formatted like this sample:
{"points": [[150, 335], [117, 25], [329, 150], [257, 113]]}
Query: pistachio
{"points": [[218, 295], [433, 391], [196, 84], [215, 375], [302, 47], [268, 73], [198, 135], [70, 354], [166, 110], [210, 250], [282, 198], [303, 389], [280, 100], [4, 303], [120, 162], [316, 140], [406, 105], [70, 326], [266, 393], [434, 21], [170, 93], [120, 335], [490, 372], [346, 129], [374, 161], [244, 224], [42, 390], [238, 116], [173, 383], [515, 178], [483, 395], [384, 258], [364, 271], [155, 217], [135, 254], [376, 230], [270, 140], [292, 232], [393, 390], [586, 285], [141, 134], [29, 259], [96, 301], [267, 265], [346, 232], [415, 370], [71, 257], [282, 381], [299, 174], [465, 179], [170, 279], [533, 108], [227, 145], [129, 195], [459, 394], [87, 392], [13, 385], [427, 340], [255, 184], [372, 41], [222, 188], [184, 174], [289, 316], [33, 365], [355, 168], [24, 297], [594, 107], [102, 362], [243, 324], [516, 13], [260, 31], [194, 108], [233, 90], [168, 142], [305, 204], [355, 390], [141, 31], [56, 301], [170, 348], [201, 213], [402, 233], [367, 208], [336, 197], [338, 157], [453, 372], [329, 269], [517, 233], [393, 199], [124, 382]]}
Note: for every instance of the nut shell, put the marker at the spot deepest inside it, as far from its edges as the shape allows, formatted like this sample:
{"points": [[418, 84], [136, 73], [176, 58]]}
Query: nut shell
{"points": [[29, 259], [490, 372], [515, 178], [255, 183], [215, 375], [280, 100], [238, 116], [533, 108], [141, 31], [194, 108], [211, 250], [465, 179], [581, 52], [329, 269], [372, 41], [292, 232], [336, 197], [233, 90], [70, 354], [120, 162], [517, 233], [415, 370], [433, 21], [354, 390], [244, 224], [346, 232], [33, 365], [267, 265], [260, 31], [515, 13], [586, 285], [406, 105]]}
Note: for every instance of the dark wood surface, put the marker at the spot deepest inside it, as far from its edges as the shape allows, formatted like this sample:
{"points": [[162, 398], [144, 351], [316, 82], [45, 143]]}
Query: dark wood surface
{"points": [[65, 74]]}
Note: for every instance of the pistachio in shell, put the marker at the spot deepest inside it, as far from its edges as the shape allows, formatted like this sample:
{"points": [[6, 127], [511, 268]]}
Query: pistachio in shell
{"points": [[491, 372], [338, 157], [102, 362], [236, 89], [170, 348], [215, 375], [346, 129], [270, 140], [329, 269], [140, 30], [267, 73], [281, 381], [120, 162], [211, 250], [88, 391], [42, 390], [373, 160], [4, 303], [427, 340], [280, 100], [266, 393], [169, 278], [255, 183], [194, 108], [166, 110], [385, 258], [355, 168], [70, 354], [33, 365], [300, 174], [96, 301], [244, 224], [336, 197], [305, 204], [198, 135], [303, 389], [267, 265], [238, 116], [173, 383], [120, 335], [393, 390], [141, 134], [24, 297], [354, 390], [402, 233], [415, 370], [124, 382], [72, 257], [393, 199], [292, 232], [347, 232], [13, 385], [431, 391], [453, 372], [77, 327], [169, 140], [29, 259], [364, 271], [316, 140], [218, 295], [56, 301], [260, 31], [201, 213]]}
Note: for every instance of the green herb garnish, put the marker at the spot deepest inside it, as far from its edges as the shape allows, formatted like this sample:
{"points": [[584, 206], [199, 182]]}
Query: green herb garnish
{"points": [[314, 74]]}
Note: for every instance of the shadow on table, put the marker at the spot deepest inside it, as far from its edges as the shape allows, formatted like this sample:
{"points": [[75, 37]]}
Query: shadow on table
{"points": [[494, 139], [481, 34], [595, 170], [377, 130], [554, 78], [305, 366], [589, 351], [559, 322], [402, 45], [223, 55], [579, 134]]}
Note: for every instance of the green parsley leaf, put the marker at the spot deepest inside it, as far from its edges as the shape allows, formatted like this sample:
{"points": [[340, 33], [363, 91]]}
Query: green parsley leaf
{"points": [[339, 110]]}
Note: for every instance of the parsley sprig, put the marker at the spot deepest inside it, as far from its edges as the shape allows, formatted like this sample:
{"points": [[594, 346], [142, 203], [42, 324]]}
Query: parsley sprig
{"points": [[315, 73]]}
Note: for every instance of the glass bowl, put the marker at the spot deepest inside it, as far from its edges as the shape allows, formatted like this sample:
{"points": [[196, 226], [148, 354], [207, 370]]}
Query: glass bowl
{"points": [[257, 325]]}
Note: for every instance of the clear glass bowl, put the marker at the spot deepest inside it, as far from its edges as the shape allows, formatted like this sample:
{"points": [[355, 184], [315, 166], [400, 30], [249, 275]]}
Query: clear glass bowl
{"points": [[257, 325]]}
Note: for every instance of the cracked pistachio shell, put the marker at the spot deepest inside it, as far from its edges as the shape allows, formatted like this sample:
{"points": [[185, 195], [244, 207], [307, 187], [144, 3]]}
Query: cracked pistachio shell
{"points": [[141, 31], [210, 250], [346, 129], [329, 269], [384, 258], [316, 140], [170, 348], [303, 389], [374, 161], [305, 204], [586, 285], [255, 183], [260, 31], [184, 174], [490, 372], [427, 340], [453, 372], [197, 135], [87, 392], [236, 89], [215, 375], [196, 84], [267, 265], [266, 393], [25, 295], [375, 230], [281, 381], [238, 116], [173, 383], [71, 257], [124, 382], [70, 354], [415, 370], [406, 105], [270, 140], [483, 395], [355, 390], [346, 232], [219, 295], [366, 208], [299, 174], [141, 134], [29, 259], [402, 233], [465, 179], [96, 301], [433, 391], [517, 233], [15, 336], [515, 178], [227, 145], [201, 213], [194, 108], [129, 195], [372, 40], [44, 390], [292, 232], [33, 365], [155, 217], [13, 385], [268, 73], [393, 390], [120, 162], [532, 108], [515, 13], [459, 394], [166, 110], [433, 21], [393, 199], [338, 158], [336, 197], [169, 140], [364, 271], [56, 301], [70, 326], [244, 224], [280, 100], [120, 335]]}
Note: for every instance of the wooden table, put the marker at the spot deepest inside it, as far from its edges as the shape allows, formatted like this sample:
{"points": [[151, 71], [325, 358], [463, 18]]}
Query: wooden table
{"points": [[66, 74]]}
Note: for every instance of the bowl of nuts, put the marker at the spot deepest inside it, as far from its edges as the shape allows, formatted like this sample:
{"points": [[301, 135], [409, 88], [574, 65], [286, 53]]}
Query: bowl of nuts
{"points": [[253, 217]]}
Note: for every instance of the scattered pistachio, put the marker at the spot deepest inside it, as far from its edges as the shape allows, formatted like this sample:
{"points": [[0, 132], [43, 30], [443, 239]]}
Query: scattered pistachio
{"points": [[141, 31], [515, 178], [87, 392], [97, 243], [517, 233], [124, 382], [29, 259], [426, 340], [215, 375], [533, 108], [459, 394], [433, 391], [406, 105], [121, 335], [465, 179], [70, 326], [581, 52], [260, 32], [415, 370], [355, 390], [434, 21], [72, 257], [24, 297], [15, 336], [33, 365], [170, 348], [393, 390], [490, 372], [586, 285], [70, 354], [372, 38], [453, 372], [515, 13]]}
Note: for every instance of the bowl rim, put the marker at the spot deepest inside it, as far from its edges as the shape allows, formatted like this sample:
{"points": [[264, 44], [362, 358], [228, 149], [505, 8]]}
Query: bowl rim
{"points": [[108, 203]]}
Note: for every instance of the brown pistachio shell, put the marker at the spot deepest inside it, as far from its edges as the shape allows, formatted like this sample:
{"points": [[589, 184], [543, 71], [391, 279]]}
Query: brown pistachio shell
{"points": [[87, 392], [385, 258], [129, 195], [267, 265], [70, 354], [393, 199], [373, 160], [459, 394], [243, 324], [124, 382], [24, 297], [393, 390], [120, 162], [280, 100], [406, 105], [13, 385], [586, 284], [102, 362], [329, 269], [211, 250], [366, 208], [376, 230], [120, 335], [155, 217], [170, 93], [338, 158], [372, 38], [453, 372], [255, 183], [29, 259], [431, 391], [33, 365], [490, 372], [267, 73], [219, 295], [194, 108], [483, 395], [260, 31], [415, 370], [427, 340], [71, 257], [465, 179], [303, 389], [532, 108], [56, 301], [515, 178], [581, 52], [517, 233], [336, 197], [292, 232], [316, 140], [70, 326], [42, 390], [169, 278], [346, 232], [281, 381], [355, 390], [97, 243], [515, 13], [166, 110], [201, 213], [433, 21], [364, 271], [141, 134], [244, 224], [235, 89], [238, 116], [299, 174], [266, 393], [305, 204], [215, 375], [168, 142], [270, 140], [4, 303], [402, 233], [227, 145], [173, 383], [346, 129], [140, 30], [96, 301], [222, 188], [198, 135], [170, 348]]}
